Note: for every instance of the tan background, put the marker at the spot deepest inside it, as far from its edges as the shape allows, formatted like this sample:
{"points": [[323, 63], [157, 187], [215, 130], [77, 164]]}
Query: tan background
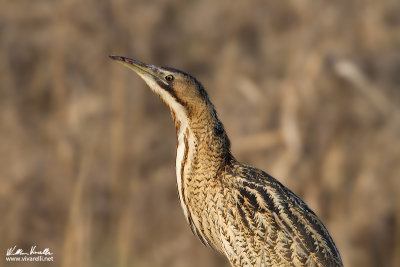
{"points": [[308, 91]]}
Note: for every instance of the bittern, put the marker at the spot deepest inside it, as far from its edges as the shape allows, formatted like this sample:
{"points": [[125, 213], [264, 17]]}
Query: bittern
{"points": [[240, 211]]}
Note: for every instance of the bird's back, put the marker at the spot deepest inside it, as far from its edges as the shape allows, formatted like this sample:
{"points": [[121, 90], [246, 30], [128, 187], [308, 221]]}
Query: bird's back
{"points": [[265, 224]]}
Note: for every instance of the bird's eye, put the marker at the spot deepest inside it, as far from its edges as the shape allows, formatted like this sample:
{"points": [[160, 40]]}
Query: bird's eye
{"points": [[169, 78]]}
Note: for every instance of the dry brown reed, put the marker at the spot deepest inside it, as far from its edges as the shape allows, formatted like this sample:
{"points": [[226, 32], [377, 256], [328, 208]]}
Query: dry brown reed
{"points": [[307, 90]]}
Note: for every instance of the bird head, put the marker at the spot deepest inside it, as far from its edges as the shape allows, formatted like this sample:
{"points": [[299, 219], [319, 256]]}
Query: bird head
{"points": [[188, 101], [183, 94]]}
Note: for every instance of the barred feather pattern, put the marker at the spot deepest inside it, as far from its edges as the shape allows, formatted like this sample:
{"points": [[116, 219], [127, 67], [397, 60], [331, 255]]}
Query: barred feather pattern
{"points": [[241, 211]]}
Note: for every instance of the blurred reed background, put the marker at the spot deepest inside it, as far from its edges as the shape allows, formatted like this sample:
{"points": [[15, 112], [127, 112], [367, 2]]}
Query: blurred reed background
{"points": [[308, 91]]}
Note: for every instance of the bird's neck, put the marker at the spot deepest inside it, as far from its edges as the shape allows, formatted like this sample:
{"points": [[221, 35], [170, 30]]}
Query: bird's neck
{"points": [[201, 137], [203, 151]]}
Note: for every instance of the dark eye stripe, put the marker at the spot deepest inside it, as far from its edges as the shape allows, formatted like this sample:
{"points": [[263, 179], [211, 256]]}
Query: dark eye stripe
{"points": [[171, 91]]}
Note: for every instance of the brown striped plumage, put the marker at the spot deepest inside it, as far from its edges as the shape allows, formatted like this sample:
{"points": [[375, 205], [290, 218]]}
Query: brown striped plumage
{"points": [[240, 211]]}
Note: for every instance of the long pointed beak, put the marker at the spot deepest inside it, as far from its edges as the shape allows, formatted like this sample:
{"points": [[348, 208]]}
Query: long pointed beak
{"points": [[139, 67]]}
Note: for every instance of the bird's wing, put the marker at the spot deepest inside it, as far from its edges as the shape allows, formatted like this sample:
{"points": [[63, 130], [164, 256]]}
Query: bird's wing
{"points": [[279, 227]]}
